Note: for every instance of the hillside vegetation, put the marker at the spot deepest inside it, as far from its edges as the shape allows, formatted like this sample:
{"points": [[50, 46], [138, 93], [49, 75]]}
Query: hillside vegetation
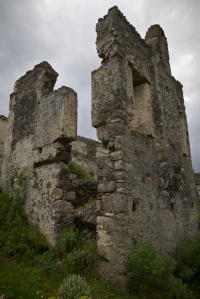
{"points": [[30, 269]]}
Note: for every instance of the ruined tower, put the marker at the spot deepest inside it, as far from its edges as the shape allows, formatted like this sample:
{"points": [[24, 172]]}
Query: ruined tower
{"points": [[146, 183], [146, 188], [41, 124]]}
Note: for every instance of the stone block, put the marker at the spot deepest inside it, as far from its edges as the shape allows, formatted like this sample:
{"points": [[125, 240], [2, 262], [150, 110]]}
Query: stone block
{"points": [[52, 153], [58, 115], [87, 215], [79, 147], [118, 175], [104, 187], [63, 212], [102, 152], [117, 155], [114, 203], [70, 196], [57, 194], [119, 165]]}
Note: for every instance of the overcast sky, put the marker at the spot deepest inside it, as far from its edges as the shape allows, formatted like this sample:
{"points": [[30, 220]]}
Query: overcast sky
{"points": [[62, 32]]}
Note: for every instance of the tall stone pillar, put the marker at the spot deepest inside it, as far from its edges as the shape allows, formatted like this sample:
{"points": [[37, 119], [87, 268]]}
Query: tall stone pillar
{"points": [[41, 124], [146, 191]]}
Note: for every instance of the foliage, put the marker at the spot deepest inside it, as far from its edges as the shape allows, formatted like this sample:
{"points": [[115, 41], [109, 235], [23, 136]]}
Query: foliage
{"points": [[16, 237], [82, 260], [150, 276], [73, 287], [23, 280], [29, 269], [106, 289], [80, 172], [187, 256], [198, 218], [91, 200], [67, 242], [77, 255], [19, 183]]}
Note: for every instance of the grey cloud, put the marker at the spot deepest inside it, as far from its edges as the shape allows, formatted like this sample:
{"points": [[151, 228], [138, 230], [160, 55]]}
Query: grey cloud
{"points": [[63, 33]]}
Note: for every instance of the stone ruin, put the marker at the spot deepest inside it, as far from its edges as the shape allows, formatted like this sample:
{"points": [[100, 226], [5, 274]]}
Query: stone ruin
{"points": [[3, 123], [145, 182], [41, 139]]}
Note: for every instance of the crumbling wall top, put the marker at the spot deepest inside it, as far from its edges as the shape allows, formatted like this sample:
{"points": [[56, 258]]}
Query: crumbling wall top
{"points": [[3, 123], [36, 106], [116, 26], [41, 80], [114, 12], [4, 118], [155, 37], [116, 36]]}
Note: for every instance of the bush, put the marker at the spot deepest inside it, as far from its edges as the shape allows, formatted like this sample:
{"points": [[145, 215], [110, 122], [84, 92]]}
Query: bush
{"points": [[75, 254], [67, 242], [19, 183], [187, 256], [16, 237], [80, 172], [73, 287], [82, 260], [150, 276], [198, 213]]}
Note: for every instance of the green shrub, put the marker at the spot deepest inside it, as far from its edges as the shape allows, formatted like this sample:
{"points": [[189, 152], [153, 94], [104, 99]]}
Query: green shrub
{"points": [[83, 259], [91, 200], [19, 183], [77, 255], [187, 256], [80, 172], [150, 276], [198, 218], [68, 241], [16, 237], [73, 287]]}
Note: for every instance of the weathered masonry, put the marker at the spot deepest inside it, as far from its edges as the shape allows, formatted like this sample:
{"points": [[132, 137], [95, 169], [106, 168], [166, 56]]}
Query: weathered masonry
{"points": [[40, 139], [3, 123], [41, 124], [146, 183]]}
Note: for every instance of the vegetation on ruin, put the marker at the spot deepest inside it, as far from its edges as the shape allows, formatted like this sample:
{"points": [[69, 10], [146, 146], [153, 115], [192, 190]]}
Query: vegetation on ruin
{"points": [[80, 172], [199, 218], [30, 269], [150, 276]]}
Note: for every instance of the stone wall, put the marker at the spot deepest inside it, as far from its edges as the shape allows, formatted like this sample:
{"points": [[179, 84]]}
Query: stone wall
{"points": [[146, 188], [41, 125], [84, 151], [146, 185], [3, 124]]}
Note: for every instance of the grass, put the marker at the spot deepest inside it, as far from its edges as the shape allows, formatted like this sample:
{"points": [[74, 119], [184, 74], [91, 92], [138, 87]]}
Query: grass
{"points": [[29, 269], [23, 280], [198, 213], [27, 281], [80, 172]]}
